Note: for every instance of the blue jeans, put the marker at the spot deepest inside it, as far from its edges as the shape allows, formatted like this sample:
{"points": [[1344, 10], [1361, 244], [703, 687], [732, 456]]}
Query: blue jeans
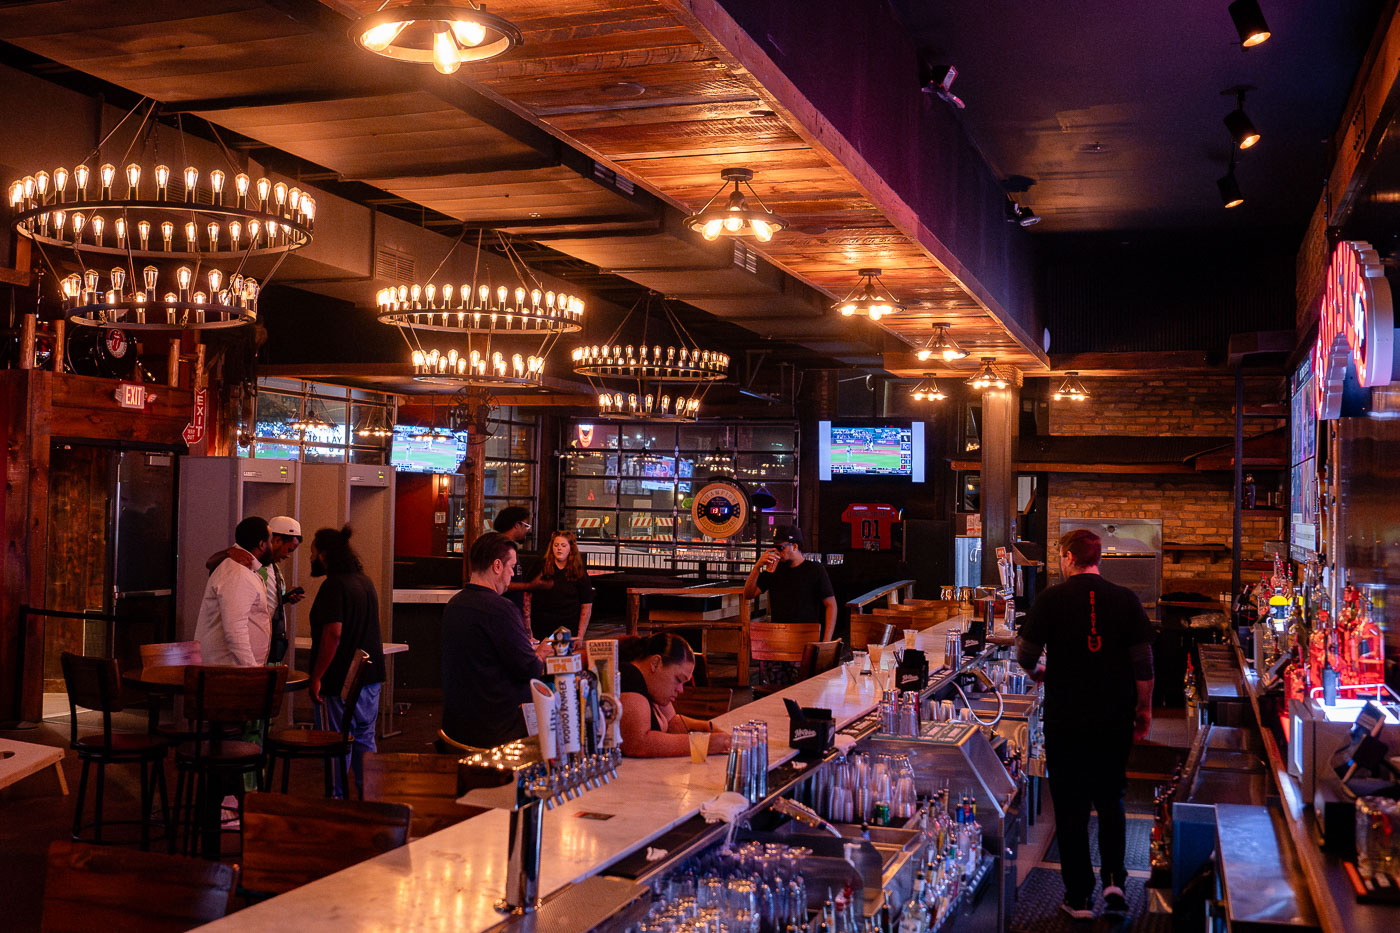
{"points": [[330, 716]]}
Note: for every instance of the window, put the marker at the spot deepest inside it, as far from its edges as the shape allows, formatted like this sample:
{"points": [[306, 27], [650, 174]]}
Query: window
{"points": [[345, 413], [511, 469], [626, 489]]}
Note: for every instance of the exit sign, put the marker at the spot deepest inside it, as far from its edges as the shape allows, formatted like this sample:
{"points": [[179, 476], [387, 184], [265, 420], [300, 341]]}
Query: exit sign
{"points": [[131, 396]]}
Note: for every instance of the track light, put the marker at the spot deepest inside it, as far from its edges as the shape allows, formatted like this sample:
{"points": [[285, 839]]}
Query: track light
{"points": [[1020, 214], [1230, 194], [1241, 128], [1249, 22]]}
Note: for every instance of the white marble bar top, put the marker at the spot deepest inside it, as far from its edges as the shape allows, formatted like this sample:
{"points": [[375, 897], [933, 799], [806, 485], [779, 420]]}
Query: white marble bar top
{"points": [[390, 647], [448, 881]]}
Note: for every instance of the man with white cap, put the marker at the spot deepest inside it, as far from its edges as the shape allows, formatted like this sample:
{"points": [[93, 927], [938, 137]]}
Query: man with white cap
{"points": [[283, 539]]}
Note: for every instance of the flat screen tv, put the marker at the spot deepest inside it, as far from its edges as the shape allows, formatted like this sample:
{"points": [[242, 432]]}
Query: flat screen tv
{"points": [[1303, 492], [438, 452], [894, 451]]}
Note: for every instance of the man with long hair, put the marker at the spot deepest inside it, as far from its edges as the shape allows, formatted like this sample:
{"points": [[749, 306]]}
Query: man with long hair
{"points": [[344, 620]]}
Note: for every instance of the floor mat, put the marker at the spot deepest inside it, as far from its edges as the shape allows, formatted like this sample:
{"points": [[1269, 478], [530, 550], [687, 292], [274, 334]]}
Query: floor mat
{"points": [[1138, 856], [1038, 907]]}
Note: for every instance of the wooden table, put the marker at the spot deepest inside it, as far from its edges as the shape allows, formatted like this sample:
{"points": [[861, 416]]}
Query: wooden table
{"points": [[169, 680], [731, 617], [18, 760]]}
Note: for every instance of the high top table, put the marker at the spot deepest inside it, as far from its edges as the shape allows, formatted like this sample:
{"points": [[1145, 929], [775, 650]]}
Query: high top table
{"points": [[448, 881]]}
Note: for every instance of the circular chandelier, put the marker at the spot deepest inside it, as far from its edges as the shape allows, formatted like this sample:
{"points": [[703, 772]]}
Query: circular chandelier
{"points": [[443, 34], [735, 217], [987, 376], [664, 383], [480, 313], [941, 345], [149, 248], [870, 298], [928, 390], [1071, 388]]}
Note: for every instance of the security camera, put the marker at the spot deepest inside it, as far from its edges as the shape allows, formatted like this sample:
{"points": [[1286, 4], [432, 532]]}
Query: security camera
{"points": [[942, 85]]}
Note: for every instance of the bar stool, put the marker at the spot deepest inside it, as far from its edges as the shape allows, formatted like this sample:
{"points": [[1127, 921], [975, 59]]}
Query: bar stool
{"points": [[818, 657], [287, 745], [221, 702], [95, 683]]}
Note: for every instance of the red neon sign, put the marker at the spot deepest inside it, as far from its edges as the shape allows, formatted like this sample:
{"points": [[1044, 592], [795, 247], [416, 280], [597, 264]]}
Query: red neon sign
{"points": [[1357, 325]]}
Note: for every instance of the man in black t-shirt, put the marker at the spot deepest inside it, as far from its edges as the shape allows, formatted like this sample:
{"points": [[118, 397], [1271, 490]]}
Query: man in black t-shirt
{"points": [[1098, 701], [798, 591], [344, 620]]}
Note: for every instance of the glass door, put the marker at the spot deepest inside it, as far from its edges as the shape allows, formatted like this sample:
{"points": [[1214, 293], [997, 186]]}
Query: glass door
{"points": [[143, 591]]}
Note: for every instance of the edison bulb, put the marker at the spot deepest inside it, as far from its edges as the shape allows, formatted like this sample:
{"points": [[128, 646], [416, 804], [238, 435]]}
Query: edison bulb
{"points": [[445, 57], [98, 225], [191, 179], [216, 182], [470, 34], [80, 178], [382, 36], [133, 178], [712, 229], [763, 230], [162, 180]]}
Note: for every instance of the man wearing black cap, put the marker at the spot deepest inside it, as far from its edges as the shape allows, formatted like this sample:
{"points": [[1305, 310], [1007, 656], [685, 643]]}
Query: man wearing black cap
{"points": [[798, 589]]}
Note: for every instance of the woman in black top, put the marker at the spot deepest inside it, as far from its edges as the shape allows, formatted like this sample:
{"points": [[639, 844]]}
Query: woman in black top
{"points": [[654, 672], [560, 595]]}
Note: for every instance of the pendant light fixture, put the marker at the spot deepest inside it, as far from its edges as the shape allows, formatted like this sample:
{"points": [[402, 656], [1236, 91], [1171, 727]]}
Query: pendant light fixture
{"points": [[444, 35], [1241, 128], [869, 298], [1249, 23], [928, 390], [987, 377], [736, 217], [1071, 388], [1230, 194], [941, 346]]}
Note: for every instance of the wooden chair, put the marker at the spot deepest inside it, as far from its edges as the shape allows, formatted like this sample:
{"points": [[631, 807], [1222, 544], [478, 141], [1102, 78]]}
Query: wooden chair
{"points": [[781, 641], [426, 783], [220, 702], [95, 683], [171, 654], [867, 629], [291, 841], [287, 745], [818, 657], [97, 888], [704, 702]]}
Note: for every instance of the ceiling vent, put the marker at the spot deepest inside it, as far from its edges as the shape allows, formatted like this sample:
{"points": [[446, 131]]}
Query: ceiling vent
{"points": [[392, 265], [745, 258]]}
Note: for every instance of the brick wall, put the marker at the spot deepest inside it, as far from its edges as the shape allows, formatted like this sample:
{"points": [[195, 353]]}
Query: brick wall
{"points": [[1192, 509], [1199, 406]]}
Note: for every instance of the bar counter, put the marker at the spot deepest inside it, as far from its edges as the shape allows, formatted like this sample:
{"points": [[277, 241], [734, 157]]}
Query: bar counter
{"points": [[449, 881]]}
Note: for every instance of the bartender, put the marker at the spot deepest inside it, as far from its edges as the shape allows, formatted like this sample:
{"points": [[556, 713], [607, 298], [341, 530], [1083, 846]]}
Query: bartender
{"points": [[654, 672]]}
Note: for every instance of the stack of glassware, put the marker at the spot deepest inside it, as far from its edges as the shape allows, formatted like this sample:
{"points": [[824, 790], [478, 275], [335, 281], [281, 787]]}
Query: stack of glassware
{"points": [[751, 888], [854, 789], [747, 770]]}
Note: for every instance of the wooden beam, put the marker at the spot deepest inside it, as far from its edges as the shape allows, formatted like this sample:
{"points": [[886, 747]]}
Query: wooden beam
{"points": [[1032, 466]]}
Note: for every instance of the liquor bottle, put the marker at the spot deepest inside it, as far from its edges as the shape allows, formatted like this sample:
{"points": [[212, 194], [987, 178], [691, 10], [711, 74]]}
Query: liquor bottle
{"points": [[824, 924], [915, 916], [1370, 661], [974, 834]]}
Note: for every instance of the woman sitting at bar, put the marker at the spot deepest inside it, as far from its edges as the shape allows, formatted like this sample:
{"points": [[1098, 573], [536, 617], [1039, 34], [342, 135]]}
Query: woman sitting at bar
{"points": [[654, 672], [560, 595]]}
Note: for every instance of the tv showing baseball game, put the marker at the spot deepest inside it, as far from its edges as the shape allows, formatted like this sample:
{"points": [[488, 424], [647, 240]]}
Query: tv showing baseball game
{"points": [[892, 450], [417, 450]]}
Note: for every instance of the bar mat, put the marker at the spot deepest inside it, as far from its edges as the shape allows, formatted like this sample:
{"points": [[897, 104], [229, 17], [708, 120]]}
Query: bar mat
{"points": [[1038, 910], [1137, 856]]}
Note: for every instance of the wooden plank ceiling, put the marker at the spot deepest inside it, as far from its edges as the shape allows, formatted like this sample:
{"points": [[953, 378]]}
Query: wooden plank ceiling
{"points": [[627, 82]]}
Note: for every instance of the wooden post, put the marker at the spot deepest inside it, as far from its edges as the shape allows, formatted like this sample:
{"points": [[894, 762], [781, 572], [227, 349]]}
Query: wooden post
{"points": [[172, 365], [197, 382], [26, 342], [59, 327]]}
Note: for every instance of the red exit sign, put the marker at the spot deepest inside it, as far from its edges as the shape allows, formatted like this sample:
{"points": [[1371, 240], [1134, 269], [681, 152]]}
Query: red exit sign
{"points": [[131, 396]]}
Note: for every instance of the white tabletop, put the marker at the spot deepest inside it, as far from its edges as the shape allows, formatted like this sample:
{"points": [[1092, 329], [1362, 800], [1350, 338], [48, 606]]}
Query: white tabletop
{"points": [[449, 880], [390, 647], [18, 760]]}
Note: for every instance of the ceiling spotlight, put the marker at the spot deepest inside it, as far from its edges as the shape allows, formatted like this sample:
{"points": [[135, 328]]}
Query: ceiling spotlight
{"points": [[928, 391], [1230, 194], [870, 298], [941, 345], [987, 377], [1249, 22], [1020, 214], [1241, 128], [735, 217], [1071, 388]]}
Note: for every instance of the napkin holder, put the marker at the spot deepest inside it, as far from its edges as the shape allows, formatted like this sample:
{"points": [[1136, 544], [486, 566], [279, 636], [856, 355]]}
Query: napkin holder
{"points": [[912, 673], [811, 730]]}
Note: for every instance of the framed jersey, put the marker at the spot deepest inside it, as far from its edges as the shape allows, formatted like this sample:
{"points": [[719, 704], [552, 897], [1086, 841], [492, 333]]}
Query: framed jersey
{"points": [[870, 524]]}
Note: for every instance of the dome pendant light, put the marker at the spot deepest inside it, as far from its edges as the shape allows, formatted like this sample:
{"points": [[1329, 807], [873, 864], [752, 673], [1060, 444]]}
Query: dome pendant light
{"points": [[942, 346], [1249, 23], [1241, 128], [870, 298], [1071, 388], [445, 35], [735, 217]]}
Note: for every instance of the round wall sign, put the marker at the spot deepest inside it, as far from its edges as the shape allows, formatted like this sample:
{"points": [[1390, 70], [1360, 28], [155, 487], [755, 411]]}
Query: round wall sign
{"points": [[720, 509], [116, 342]]}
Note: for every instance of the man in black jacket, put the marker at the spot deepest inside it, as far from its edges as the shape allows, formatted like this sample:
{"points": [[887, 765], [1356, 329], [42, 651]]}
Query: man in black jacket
{"points": [[1098, 701], [487, 658]]}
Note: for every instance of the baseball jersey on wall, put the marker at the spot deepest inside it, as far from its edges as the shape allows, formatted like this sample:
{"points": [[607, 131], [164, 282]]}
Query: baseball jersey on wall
{"points": [[870, 524]]}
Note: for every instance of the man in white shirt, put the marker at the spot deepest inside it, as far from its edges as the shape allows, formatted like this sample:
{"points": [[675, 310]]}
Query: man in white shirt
{"points": [[235, 626], [283, 540]]}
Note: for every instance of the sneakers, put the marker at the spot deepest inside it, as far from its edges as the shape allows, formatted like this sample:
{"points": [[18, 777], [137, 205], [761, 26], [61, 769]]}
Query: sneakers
{"points": [[1114, 900], [1079, 910]]}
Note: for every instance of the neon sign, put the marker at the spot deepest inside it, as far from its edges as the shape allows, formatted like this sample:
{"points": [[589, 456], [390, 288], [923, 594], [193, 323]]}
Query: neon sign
{"points": [[1357, 325]]}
